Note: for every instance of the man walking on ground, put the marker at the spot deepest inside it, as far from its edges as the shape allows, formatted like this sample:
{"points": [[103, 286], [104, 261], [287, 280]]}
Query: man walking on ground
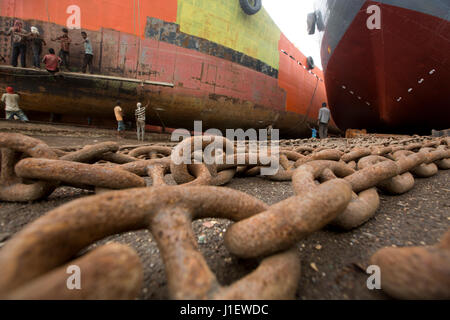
{"points": [[140, 121], [64, 53], [12, 109], [88, 53], [119, 117], [51, 61], [324, 118]]}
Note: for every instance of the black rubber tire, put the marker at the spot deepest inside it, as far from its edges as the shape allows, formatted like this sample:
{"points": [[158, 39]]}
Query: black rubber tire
{"points": [[250, 8], [310, 63], [311, 23], [319, 21]]}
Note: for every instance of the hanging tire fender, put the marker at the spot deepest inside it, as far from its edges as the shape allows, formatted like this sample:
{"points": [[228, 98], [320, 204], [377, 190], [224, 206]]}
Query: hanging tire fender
{"points": [[251, 7], [310, 63], [311, 23]]}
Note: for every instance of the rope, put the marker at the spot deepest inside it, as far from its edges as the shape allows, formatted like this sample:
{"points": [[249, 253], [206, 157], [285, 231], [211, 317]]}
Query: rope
{"points": [[48, 13], [309, 108], [162, 122], [139, 38], [310, 104]]}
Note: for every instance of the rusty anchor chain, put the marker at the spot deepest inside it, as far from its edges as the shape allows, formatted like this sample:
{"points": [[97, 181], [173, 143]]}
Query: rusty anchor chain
{"points": [[288, 221], [196, 146], [77, 174], [151, 152], [398, 184], [168, 213], [333, 185], [363, 204], [120, 277], [327, 154], [91, 153], [287, 168], [416, 272], [12, 187], [354, 155]]}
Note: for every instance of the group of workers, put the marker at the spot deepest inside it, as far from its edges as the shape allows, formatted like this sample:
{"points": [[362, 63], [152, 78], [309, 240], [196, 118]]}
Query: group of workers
{"points": [[11, 101], [322, 121], [20, 38], [139, 117]]}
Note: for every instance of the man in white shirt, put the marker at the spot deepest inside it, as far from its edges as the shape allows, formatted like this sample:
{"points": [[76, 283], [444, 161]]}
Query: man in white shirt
{"points": [[11, 101], [324, 118]]}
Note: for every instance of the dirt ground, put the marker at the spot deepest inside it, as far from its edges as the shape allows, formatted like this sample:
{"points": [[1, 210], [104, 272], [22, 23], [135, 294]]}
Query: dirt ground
{"points": [[333, 263]]}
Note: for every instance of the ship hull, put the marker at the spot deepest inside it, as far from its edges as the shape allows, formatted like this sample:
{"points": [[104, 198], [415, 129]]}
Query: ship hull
{"points": [[395, 79], [243, 78], [75, 98]]}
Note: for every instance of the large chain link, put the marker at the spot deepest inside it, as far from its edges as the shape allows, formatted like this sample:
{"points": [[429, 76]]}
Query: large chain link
{"points": [[334, 186]]}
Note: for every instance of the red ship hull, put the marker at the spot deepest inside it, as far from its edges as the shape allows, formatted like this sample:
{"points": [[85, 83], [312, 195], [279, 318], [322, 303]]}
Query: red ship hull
{"points": [[394, 79]]}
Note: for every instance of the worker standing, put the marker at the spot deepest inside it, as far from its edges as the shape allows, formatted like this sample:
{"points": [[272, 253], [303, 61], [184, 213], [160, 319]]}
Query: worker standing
{"points": [[19, 44], [36, 45], [140, 121], [118, 112], [12, 109], [64, 53], [324, 119], [88, 52]]}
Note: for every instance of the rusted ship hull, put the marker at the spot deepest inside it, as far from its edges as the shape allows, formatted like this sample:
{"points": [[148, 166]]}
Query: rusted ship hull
{"points": [[394, 79], [74, 98], [246, 75]]}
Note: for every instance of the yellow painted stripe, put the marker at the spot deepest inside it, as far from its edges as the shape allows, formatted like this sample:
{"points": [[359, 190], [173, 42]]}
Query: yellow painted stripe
{"points": [[224, 22]]}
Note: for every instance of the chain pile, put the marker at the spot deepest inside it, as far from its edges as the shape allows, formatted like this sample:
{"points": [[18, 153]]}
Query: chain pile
{"points": [[333, 184]]}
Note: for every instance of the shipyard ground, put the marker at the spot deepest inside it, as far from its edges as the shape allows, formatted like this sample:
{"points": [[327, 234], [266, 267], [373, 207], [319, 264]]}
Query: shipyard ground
{"points": [[333, 263]]}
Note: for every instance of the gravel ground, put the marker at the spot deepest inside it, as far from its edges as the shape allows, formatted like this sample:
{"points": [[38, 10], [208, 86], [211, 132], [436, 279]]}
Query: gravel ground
{"points": [[333, 263]]}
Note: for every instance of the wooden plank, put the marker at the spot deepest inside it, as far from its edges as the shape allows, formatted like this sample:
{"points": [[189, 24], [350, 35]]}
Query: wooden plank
{"points": [[11, 70]]}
